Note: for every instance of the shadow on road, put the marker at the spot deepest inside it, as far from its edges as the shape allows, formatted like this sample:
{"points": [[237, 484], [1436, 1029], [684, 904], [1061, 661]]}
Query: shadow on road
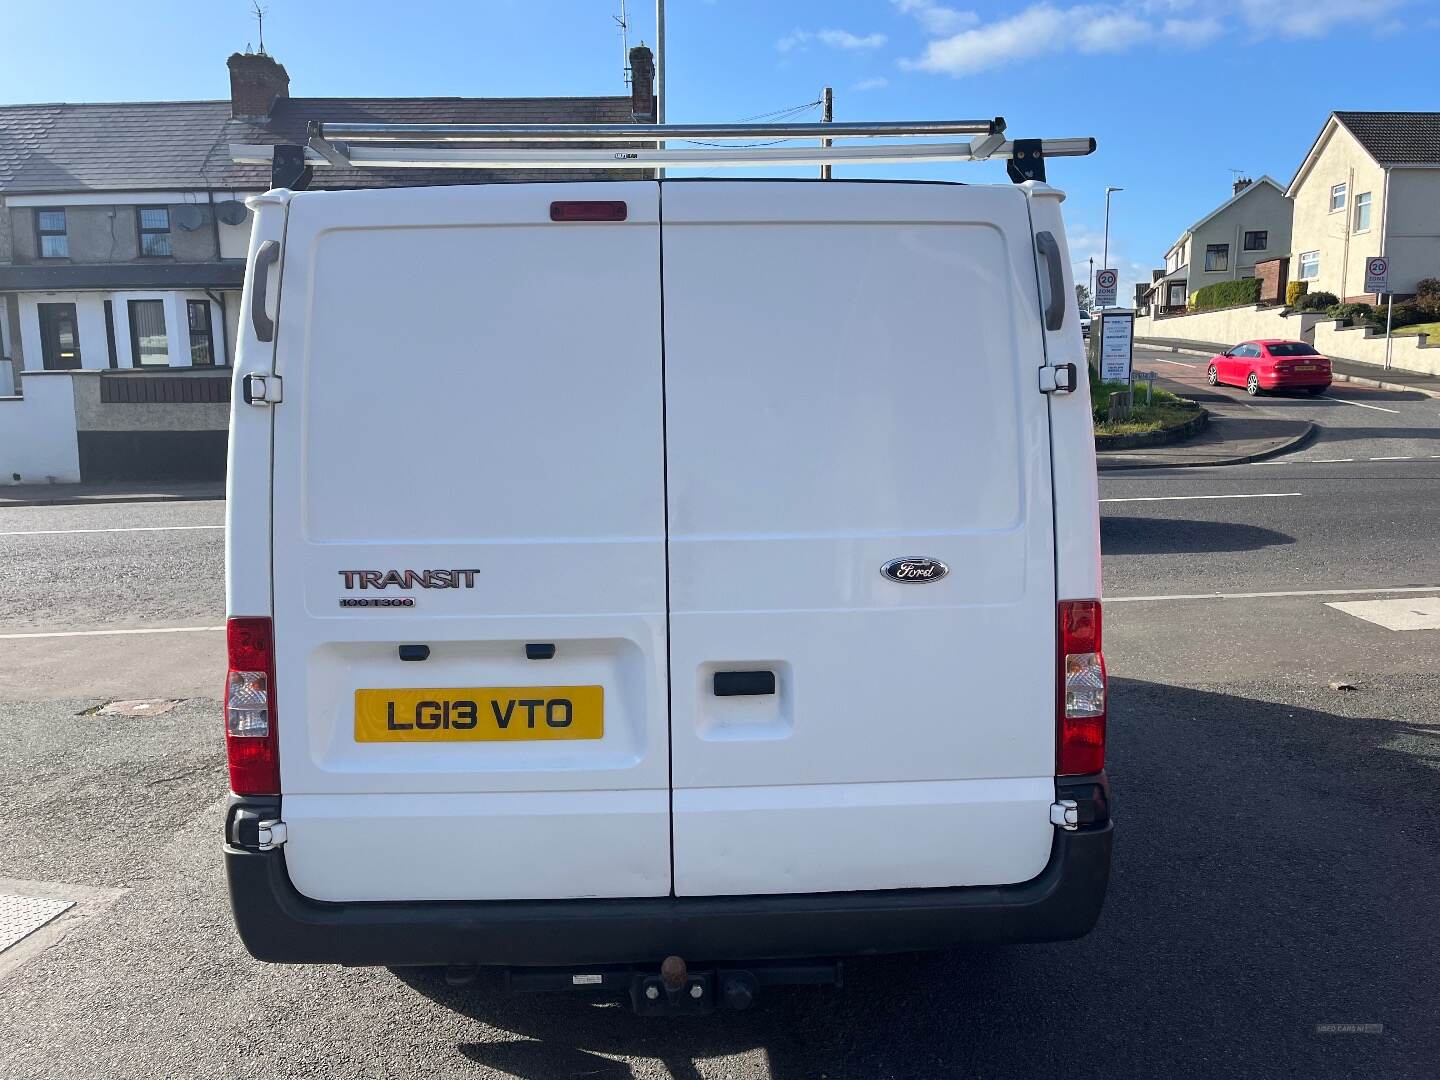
{"points": [[1275, 870], [1164, 536]]}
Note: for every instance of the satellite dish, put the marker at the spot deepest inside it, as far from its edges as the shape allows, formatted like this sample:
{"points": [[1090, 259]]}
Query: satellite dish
{"points": [[231, 213], [188, 217]]}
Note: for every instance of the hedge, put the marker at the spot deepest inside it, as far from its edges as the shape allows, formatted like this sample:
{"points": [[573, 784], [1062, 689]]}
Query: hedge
{"points": [[1294, 291], [1317, 301], [1226, 294]]}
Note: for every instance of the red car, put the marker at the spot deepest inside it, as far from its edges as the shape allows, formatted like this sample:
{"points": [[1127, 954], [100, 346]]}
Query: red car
{"points": [[1271, 365]]}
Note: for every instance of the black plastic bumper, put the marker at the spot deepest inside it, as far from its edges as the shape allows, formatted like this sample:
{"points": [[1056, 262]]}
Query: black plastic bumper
{"points": [[279, 925]]}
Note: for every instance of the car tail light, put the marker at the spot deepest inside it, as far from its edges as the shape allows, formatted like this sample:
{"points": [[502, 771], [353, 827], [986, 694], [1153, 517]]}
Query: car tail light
{"points": [[250, 737], [588, 210], [1080, 737]]}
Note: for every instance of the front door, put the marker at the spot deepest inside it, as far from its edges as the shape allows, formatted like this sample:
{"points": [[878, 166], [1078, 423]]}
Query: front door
{"points": [[59, 338]]}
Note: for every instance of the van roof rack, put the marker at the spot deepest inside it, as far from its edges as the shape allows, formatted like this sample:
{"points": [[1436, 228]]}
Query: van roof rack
{"points": [[482, 146]]}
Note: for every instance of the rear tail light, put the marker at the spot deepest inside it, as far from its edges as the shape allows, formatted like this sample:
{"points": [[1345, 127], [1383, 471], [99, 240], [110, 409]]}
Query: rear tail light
{"points": [[250, 737], [1080, 736]]}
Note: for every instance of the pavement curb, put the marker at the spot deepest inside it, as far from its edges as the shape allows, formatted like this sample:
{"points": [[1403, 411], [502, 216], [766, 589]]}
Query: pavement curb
{"points": [[1151, 439], [1293, 443], [108, 500]]}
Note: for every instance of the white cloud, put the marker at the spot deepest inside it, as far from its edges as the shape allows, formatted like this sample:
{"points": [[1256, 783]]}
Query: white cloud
{"points": [[1192, 33], [963, 45], [1312, 19], [843, 39], [876, 82], [835, 39], [937, 19]]}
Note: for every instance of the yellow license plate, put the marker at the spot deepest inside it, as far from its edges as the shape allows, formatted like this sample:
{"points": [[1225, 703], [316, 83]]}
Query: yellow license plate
{"points": [[480, 714]]}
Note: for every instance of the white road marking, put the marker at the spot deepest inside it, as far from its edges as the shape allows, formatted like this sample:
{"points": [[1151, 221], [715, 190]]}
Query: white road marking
{"points": [[1362, 405], [1401, 613], [1267, 595], [107, 633], [135, 528], [1190, 498], [1177, 363], [1390, 459]]}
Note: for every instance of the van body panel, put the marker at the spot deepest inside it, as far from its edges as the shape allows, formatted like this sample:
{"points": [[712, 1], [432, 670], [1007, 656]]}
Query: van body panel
{"points": [[1072, 442], [852, 377], [471, 389]]}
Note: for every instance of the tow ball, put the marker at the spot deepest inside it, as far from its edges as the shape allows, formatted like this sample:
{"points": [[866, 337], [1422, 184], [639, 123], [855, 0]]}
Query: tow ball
{"points": [[677, 989]]}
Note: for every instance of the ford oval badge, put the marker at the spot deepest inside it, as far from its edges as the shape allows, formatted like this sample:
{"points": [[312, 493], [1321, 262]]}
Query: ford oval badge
{"points": [[914, 569]]}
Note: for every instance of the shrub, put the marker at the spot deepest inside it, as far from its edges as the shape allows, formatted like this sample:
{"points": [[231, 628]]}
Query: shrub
{"points": [[1317, 301], [1405, 313], [1226, 294], [1294, 291], [1355, 313], [1427, 296]]}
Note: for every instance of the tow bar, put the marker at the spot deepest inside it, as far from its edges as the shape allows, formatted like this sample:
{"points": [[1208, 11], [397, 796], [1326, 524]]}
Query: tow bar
{"points": [[677, 989]]}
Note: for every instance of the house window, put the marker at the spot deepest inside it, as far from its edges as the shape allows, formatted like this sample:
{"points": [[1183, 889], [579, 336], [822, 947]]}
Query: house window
{"points": [[1337, 198], [149, 345], [59, 339], [202, 338], [1257, 240], [1217, 257], [1177, 294], [1362, 211], [1309, 265], [50, 228], [154, 225]]}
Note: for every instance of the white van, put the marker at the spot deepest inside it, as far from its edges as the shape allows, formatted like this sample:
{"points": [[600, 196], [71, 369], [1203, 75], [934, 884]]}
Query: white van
{"points": [[700, 569]]}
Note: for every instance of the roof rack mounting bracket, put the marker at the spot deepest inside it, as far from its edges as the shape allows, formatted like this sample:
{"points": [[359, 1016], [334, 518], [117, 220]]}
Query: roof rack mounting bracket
{"points": [[336, 153], [1027, 161], [288, 168]]}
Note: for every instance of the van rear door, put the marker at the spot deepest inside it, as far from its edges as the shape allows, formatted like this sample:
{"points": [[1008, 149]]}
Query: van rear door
{"points": [[851, 378], [469, 468]]}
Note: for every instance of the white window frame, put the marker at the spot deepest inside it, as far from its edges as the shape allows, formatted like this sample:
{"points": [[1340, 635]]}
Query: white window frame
{"points": [[1367, 205], [1337, 198], [1301, 275]]}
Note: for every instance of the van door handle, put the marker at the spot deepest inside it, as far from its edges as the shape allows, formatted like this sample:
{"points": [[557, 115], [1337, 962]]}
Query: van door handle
{"points": [[265, 257], [744, 683], [1049, 250]]}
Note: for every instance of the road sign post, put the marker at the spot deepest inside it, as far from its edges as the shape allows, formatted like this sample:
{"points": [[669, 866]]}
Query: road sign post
{"points": [[1106, 285], [1377, 281]]}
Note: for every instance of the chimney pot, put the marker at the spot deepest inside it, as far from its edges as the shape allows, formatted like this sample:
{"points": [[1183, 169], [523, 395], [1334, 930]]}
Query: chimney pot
{"points": [[257, 81], [642, 84], [1241, 183]]}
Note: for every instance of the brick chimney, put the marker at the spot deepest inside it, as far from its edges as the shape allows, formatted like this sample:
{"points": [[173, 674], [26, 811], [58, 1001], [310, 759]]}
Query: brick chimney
{"points": [[1241, 183], [256, 81], [642, 84]]}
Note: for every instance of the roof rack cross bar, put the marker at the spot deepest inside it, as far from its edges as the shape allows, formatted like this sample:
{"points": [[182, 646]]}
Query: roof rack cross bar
{"points": [[412, 157], [495, 133]]}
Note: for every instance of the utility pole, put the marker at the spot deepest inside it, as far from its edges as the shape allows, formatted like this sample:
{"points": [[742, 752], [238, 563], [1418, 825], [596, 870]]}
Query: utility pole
{"points": [[1092, 280], [660, 74], [827, 116], [1105, 249]]}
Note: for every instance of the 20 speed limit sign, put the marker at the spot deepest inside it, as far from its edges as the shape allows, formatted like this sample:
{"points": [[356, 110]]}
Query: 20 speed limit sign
{"points": [[1377, 274], [1106, 282]]}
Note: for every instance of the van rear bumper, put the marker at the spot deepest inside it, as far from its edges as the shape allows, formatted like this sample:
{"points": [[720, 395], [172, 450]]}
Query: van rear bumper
{"points": [[278, 924]]}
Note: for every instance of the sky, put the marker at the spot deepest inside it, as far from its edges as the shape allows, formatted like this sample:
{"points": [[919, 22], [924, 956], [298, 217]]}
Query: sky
{"points": [[1178, 93]]}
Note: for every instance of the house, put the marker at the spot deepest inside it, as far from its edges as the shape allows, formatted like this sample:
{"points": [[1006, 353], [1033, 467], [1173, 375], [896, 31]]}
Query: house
{"points": [[1370, 185], [123, 234], [1252, 226]]}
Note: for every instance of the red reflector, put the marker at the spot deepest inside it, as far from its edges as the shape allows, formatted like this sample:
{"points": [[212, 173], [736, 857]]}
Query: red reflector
{"points": [[587, 210], [251, 741], [1081, 705]]}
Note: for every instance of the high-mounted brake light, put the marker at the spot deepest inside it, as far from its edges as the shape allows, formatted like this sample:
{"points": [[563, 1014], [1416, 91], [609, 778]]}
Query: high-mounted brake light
{"points": [[587, 210], [1080, 734], [251, 743]]}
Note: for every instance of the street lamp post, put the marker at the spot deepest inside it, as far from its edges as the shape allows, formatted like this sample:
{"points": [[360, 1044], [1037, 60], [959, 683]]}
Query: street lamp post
{"points": [[1105, 250]]}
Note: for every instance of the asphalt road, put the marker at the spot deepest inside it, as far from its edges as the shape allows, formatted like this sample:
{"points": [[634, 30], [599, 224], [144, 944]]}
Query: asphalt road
{"points": [[1275, 870]]}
